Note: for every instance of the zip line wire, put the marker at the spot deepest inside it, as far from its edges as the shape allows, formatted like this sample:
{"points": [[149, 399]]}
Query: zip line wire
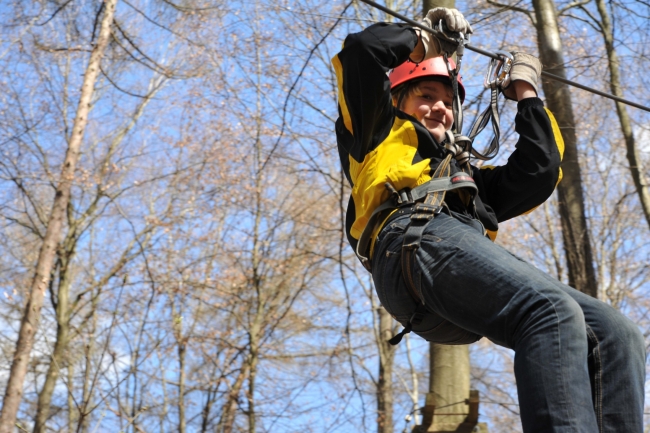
{"points": [[497, 57]]}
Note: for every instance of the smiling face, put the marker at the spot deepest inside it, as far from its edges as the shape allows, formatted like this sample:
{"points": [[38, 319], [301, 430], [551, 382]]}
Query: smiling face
{"points": [[430, 102]]}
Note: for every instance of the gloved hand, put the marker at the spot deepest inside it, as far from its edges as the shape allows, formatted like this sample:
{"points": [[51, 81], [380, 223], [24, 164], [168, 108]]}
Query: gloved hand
{"points": [[525, 68], [455, 22]]}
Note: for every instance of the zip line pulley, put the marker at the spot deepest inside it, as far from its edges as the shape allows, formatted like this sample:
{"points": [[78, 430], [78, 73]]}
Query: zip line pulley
{"points": [[445, 37]]}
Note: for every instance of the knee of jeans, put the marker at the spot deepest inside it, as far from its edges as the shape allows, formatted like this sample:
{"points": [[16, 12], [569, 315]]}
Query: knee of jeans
{"points": [[548, 315], [625, 334], [636, 338]]}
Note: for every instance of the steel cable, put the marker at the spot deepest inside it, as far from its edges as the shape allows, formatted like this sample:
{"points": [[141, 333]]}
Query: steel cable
{"points": [[496, 56]]}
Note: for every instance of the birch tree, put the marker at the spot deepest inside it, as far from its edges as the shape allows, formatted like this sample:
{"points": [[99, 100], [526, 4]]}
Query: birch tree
{"points": [[29, 324]]}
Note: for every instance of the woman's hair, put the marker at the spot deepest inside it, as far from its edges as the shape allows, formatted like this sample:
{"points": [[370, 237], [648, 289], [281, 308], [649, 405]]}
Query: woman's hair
{"points": [[409, 88]]}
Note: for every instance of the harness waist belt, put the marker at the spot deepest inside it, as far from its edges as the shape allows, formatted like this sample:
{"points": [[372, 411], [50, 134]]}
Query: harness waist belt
{"points": [[407, 197]]}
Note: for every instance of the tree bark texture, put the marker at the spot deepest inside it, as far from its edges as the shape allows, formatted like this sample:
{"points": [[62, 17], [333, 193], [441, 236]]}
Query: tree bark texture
{"points": [[60, 345], [182, 424], [72, 413], [632, 153], [385, 380], [449, 384], [31, 316], [87, 396], [227, 420], [575, 234], [66, 253], [430, 4]]}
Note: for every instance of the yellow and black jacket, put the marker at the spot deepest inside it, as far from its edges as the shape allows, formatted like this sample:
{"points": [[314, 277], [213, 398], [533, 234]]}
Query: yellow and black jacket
{"points": [[378, 143]]}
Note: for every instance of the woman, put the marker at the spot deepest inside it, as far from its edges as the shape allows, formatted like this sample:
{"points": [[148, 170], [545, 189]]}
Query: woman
{"points": [[579, 363]]}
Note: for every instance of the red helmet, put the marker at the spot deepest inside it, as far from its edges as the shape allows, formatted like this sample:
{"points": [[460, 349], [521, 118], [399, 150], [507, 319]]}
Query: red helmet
{"points": [[433, 67]]}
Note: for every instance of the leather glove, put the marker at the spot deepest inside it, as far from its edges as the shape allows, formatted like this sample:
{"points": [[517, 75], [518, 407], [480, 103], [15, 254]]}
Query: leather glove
{"points": [[525, 68], [455, 22]]}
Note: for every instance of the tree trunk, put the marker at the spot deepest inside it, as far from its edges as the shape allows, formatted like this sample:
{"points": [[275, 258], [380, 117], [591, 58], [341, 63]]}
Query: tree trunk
{"points": [[449, 384], [181, 387], [72, 412], [633, 158], [207, 408], [430, 4], [83, 420], [385, 382], [31, 316], [577, 245], [252, 375], [227, 420], [67, 252], [62, 332]]}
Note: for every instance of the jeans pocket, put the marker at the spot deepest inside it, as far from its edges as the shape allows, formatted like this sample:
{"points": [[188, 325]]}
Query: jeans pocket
{"points": [[389, 241], [469, 221], [441, 331], [386, 268], [390, 232]]}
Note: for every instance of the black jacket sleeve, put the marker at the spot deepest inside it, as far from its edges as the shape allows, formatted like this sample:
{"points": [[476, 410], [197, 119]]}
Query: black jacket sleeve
{"points": [[366, 109], [532, 170]]}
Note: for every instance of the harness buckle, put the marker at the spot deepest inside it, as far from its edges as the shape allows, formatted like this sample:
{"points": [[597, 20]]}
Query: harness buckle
{"points": [[394, 195], [401, 197], [424, 211]]}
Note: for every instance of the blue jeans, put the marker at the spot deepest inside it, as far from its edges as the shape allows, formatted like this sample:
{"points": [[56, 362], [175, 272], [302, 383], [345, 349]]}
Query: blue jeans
{"points": [[579, 363]]}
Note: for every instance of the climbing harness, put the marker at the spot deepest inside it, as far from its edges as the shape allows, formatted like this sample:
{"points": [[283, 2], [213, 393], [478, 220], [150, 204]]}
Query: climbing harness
{"points": [[421, 215], [407, 201]]}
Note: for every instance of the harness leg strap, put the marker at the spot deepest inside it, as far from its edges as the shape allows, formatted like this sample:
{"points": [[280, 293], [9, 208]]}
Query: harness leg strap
{"points": [[420, 218], [415, 319]]}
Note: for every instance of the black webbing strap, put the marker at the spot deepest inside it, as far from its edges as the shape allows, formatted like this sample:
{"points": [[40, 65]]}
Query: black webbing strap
{"points": [[416, 319], [422, 214], [408, 197]]}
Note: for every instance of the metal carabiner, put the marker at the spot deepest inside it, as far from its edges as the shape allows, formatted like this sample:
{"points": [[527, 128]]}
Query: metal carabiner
{"points": [[498, 73], [451, 36], [451, 42]]}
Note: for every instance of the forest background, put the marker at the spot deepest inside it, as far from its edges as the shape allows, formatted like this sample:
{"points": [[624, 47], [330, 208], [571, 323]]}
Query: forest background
{"points": [[203, 281]]}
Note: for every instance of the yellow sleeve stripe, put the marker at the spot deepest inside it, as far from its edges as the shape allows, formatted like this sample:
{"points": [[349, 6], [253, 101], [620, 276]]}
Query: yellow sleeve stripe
{"points": [[559, 141], [338, 68]]}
